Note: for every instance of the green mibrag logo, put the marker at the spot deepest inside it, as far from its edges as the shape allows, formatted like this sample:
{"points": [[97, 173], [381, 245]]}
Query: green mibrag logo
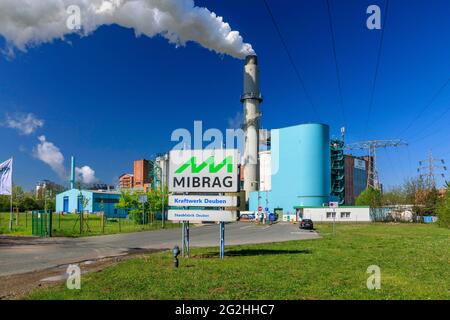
{"points": [[213, 168]]}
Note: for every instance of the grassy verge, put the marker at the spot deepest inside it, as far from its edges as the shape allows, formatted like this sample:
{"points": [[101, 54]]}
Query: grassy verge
{"points": [[68, 225], [414, 261]]}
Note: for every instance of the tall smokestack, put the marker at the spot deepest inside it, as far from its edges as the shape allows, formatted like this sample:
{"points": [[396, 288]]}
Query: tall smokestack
{"points": [[72, 172], [251, 98]]}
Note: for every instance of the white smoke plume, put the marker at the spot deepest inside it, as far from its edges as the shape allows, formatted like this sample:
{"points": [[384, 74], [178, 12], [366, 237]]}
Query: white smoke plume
{"points": [[50, 154], [25, 123], [25, 23], [85, 175]]}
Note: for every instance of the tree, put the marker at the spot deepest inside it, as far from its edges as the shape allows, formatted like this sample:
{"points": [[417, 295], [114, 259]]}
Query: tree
{"points": [[443, 209], [18, 196], [29, 204], [369, 197], [414, 190], [447, 185], [395, 196], [129, 201]]}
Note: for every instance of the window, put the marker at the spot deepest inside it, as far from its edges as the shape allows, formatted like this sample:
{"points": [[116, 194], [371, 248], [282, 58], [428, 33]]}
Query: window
{"points": [[345, 215], [106, 200], [331, 215]]}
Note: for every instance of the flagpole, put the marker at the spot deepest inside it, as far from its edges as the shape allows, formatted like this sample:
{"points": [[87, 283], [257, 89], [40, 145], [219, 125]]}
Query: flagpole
{"points": [[10, 203]]}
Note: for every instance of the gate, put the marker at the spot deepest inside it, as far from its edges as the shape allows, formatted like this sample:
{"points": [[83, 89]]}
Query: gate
{"points": [[42, 223]]}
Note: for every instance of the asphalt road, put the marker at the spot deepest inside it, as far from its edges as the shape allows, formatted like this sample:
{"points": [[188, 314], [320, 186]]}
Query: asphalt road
{"points": [[20, 255]]}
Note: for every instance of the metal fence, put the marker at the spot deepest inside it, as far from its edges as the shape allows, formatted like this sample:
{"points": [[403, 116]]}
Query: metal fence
{"points": [[40, 223]]}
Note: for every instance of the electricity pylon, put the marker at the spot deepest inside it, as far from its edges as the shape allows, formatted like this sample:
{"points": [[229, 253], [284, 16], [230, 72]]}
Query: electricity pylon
{"points": [[372, 146], [431, 170]]}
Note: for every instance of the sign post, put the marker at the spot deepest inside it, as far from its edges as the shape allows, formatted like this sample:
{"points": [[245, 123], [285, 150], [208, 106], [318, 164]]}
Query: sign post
{"points": [[142, 199], [197, 180], [185, 239], [222, 240], [334, 205]]}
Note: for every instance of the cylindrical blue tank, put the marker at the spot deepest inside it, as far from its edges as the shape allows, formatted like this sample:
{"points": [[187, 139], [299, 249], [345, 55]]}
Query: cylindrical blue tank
{"points": [[313, 164]]}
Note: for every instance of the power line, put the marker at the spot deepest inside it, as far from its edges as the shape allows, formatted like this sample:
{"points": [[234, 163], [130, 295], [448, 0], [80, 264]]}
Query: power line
{"points": [[372, 146], [441, 116], [409, 159], [341, 99], [377, 67], [291, 59], [429, 104], [391, 164]]}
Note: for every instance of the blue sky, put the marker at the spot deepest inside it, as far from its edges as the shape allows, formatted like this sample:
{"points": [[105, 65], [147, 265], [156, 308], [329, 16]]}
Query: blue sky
{"points": [[110, 98]]}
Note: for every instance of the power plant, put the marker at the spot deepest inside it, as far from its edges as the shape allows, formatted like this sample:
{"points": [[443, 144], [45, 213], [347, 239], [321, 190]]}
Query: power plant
{"points": [[298, 173], [302, 168]]}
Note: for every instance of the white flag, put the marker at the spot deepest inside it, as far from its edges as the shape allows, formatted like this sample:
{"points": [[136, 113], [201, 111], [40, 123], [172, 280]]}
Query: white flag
{"points": [[6, 177]]}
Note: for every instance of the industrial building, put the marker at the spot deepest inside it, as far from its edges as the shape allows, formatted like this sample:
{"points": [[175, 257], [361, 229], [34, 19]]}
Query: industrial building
{"points": [[126, 181], [356, 175], [299, 170], [141, 170], [147, 174], [90, 201], [140, 178], [304, 170], [340, 214]]}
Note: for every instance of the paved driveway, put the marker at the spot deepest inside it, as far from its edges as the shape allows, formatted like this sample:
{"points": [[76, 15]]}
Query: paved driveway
{"points": [[30, 254]]}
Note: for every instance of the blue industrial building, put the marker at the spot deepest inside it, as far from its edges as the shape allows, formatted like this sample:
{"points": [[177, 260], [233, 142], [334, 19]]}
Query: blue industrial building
{"points": [[300, 169], [74, 201]]}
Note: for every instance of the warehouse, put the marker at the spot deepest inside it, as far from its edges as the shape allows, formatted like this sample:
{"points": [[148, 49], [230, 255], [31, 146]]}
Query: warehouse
{"points": [[74, 200]]}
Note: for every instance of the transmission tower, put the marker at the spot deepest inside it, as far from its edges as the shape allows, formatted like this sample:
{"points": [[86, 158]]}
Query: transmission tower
{"points": [[372, 146], [430, 169]]}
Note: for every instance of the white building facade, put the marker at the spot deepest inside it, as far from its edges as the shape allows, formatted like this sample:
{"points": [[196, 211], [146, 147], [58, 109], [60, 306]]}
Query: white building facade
{"points": [[340, 214]]}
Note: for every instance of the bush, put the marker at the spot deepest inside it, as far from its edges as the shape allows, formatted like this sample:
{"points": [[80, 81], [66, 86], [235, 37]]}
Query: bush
{"points": [[369, 197], [443, 211]]}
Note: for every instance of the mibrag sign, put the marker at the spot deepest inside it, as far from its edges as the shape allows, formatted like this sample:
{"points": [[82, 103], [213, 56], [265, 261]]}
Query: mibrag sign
{"points": [[203, 171]]}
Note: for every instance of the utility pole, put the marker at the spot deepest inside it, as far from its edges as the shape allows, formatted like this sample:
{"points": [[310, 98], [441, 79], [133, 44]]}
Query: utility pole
{"points": [[372, 146], [431, 168]]}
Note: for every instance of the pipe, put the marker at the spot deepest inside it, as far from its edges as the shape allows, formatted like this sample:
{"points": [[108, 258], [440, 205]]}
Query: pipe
{"points": [[72, 173]]}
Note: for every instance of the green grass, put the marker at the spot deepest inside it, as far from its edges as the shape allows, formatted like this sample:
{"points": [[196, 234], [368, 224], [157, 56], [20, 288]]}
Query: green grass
{"points": [[414, 261], [68, 225]]}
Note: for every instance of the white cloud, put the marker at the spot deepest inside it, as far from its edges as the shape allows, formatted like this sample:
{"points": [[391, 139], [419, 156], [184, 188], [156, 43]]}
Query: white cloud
{"points": [[85, 174], [25, 123], [50, 154]]}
